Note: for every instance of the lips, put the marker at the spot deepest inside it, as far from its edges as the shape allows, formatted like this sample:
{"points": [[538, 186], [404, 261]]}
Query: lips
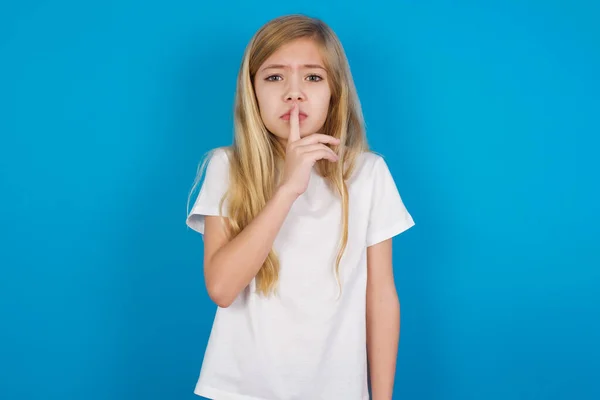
{"points": [[301, 116]]}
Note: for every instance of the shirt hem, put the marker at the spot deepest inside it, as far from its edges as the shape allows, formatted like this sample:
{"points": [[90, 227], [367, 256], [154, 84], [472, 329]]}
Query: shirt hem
{"points": [[391, 232], [218, 394]]}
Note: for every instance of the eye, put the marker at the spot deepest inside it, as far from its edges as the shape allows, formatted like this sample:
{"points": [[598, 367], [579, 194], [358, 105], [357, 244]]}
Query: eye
{"points": [[311, 77], [268, 78]]}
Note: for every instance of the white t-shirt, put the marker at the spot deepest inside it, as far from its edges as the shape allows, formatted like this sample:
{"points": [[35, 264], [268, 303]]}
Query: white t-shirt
{"points": [[303, 343]]}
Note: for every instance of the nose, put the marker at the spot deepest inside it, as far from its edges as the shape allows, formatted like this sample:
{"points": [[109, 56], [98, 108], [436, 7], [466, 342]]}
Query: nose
{"points": [[294, 90], [294, 96]]}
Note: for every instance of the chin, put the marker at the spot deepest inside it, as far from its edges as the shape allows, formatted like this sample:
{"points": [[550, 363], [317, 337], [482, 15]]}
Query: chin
{"points": [[278, 135]]}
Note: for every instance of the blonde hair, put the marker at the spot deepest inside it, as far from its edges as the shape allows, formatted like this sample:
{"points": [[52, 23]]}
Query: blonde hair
{"points": [[256, 155]]}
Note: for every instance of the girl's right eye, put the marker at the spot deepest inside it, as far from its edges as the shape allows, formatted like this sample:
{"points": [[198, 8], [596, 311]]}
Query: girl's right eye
{"points": [[268, 78]]}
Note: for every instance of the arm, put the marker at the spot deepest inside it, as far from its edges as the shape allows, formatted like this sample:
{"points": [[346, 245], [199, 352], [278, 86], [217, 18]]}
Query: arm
{"points": [[383, 320], [229, 266]]}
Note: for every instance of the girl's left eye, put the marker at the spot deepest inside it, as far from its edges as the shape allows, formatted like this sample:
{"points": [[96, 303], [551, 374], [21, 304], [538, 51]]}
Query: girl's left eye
{"points": [[315, 76]]}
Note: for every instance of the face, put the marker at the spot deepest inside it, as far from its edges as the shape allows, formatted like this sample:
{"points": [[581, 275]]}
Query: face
{"points": [[294, 73]]}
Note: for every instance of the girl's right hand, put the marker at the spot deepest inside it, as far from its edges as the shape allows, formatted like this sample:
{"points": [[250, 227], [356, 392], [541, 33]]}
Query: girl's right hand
{"points": [[302, 154]]}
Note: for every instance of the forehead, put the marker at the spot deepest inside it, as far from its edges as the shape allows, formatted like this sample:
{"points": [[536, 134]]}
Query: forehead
{"points": [[299, 51]]}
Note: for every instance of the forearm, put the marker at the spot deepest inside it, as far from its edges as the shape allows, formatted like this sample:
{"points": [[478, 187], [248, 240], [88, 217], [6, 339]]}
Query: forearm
{"points": [[383, 332], [235, 264]]}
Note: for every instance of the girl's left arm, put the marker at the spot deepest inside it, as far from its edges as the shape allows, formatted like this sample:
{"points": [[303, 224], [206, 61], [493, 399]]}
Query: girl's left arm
{"points": [[383, 320]]}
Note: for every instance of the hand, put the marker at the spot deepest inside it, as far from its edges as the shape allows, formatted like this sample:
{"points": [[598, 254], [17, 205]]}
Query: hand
{"points": [[302, 154]]}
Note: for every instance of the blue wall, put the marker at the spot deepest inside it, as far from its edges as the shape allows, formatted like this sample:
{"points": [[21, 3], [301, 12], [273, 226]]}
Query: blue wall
{"points": [[487, 113]]}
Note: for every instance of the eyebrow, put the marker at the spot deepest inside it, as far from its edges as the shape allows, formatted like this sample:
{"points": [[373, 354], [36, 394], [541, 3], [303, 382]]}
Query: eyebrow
{"points": [[281, 66]]}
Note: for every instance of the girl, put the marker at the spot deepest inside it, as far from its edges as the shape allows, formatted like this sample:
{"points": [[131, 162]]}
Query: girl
{"points": [[297, 217]]}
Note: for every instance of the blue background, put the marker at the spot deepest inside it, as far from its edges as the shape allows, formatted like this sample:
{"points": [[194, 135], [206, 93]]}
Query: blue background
{"points": [[487, 113]]}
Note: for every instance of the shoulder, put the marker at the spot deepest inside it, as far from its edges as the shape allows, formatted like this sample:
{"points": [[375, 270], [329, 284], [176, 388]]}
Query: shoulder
{"points": [[218, 158], [215, 165], [372, 159], [367, 164], [221, 154]]}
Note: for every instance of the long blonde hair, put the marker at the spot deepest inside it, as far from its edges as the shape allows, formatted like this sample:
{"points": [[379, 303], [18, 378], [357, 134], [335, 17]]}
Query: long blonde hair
{"points": [[256, 155]]}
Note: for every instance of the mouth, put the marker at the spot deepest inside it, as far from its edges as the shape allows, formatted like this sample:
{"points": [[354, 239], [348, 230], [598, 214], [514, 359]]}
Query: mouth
{"points": [[301, 116]]}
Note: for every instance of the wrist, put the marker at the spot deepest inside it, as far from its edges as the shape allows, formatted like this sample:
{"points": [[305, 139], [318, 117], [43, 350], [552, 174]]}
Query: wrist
{"points": [[285, 193]]}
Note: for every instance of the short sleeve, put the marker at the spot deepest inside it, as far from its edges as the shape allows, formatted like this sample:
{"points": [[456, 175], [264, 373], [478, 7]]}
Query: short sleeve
{"points": [[214, 187], [388, 216]]}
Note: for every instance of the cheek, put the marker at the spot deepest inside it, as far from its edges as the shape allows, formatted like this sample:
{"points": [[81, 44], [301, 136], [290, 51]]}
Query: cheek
{"points": [[324, 105], [265, 101]]}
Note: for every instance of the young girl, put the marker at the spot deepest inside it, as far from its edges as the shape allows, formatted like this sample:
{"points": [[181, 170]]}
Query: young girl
{"points": [[297, 217]]}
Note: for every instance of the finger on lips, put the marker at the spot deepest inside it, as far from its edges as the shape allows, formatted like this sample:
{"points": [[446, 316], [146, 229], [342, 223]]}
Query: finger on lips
{"points": [[294, 124]]}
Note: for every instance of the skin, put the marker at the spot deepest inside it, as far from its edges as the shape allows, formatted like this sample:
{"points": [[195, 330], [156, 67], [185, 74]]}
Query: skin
{"points": [[229, 266], [383, 320]]}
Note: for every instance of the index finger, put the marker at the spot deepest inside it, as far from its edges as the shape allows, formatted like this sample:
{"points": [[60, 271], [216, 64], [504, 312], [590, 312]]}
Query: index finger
{"points": [[294, 125], [319, 138]]}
